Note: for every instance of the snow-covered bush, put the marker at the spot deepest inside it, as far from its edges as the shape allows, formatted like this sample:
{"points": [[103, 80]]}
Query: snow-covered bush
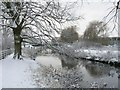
{"points": [[50, 77]]}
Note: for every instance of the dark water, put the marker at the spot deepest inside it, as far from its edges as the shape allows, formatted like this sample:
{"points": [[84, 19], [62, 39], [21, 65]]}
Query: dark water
{"points": [[103, 75], [95, 74]]}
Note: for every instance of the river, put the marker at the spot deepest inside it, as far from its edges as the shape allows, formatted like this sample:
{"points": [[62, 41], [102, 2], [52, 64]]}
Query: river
{"points": [[93, 74]]}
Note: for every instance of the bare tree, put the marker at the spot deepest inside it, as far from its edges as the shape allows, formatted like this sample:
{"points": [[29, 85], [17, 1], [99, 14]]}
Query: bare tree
{"points": [[95, 29], [23, 16], [113, 16]]}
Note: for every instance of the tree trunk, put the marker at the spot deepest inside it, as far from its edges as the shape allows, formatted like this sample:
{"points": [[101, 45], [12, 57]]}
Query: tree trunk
{"points": [[17, 43]]}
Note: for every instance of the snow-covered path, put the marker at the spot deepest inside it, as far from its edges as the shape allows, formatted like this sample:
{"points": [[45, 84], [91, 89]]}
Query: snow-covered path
{"points": [[17, 73]]}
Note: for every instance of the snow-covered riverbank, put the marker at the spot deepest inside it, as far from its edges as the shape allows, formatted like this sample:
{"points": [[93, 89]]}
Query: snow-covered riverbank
{"points": [[44, 73], [28, 73], [98, 53], [22, 73]]}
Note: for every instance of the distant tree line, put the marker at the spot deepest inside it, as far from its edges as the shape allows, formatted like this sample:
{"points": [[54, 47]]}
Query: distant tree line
{"points": [[97, 32]]}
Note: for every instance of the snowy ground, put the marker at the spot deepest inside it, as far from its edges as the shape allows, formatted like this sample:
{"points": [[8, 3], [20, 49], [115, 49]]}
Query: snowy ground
{"points": [[25, 73], [17, 73], [99, 54], [104, 53]]}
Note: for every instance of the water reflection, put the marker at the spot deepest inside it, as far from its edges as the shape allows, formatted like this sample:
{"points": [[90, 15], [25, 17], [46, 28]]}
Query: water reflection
{"points": [[93, 72], [97, 69], [68, 62], [93, 69]]}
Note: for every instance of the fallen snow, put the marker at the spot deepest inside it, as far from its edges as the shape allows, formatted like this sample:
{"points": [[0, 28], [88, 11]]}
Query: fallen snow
{"points": [[20, 73], [104, 53], [107, 55], [17, 73]]}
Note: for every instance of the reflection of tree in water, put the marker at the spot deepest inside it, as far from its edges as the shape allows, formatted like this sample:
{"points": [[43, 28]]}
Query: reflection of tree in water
{"points": [[69, 65], [97, 70], [93, 68], [68, 61]]}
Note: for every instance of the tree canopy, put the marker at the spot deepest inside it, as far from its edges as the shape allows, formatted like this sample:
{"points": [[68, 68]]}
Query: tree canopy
{"points": [[95, 29], [97, 32], [69, 35]]}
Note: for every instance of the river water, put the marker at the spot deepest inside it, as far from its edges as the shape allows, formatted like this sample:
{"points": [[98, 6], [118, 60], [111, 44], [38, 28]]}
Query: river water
{"points": [[94, 74]]}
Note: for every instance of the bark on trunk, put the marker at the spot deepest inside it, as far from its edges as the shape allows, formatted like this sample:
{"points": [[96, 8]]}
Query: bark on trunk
{"points": [[17, 43]]}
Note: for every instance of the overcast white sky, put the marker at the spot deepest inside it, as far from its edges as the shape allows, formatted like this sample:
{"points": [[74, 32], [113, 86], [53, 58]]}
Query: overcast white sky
{"points": [[92, 10]]}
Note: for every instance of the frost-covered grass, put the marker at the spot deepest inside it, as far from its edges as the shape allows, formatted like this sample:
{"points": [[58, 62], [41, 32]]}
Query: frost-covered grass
{"points": [[49, 77]]}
